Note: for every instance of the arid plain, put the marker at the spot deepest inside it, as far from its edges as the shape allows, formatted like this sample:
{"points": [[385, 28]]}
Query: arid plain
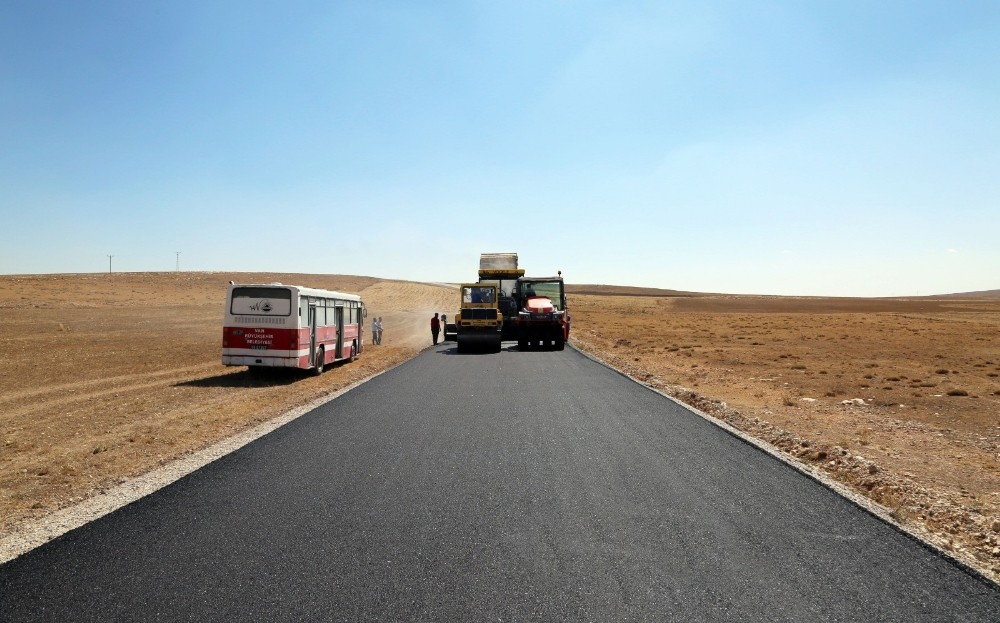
{"points": [[105, 377]]}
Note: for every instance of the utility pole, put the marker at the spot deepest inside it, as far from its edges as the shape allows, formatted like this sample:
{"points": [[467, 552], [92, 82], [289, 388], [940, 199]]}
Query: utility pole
{"points": [[178, 260], [109, 263]]}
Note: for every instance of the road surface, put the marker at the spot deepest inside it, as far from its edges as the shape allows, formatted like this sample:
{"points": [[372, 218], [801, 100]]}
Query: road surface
{"points": [[536, 486]]}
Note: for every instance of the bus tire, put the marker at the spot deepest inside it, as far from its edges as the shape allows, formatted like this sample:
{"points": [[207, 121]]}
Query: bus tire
{"points": [[318, 365], [354, 350]]}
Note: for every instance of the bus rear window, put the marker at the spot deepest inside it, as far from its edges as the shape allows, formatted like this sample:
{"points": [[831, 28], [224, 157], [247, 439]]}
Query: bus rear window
{"points": [[261, 302]]}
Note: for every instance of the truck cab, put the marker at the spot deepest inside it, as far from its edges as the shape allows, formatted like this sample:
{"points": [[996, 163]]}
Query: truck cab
{"points": [[542, 319]]}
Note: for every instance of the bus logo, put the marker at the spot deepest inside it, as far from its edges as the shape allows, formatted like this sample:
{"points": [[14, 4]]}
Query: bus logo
{"points": [[264, 306]]}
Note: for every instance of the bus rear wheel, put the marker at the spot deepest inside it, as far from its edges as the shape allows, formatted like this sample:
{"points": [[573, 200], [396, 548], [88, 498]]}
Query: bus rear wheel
{"points": [[318, 365]]}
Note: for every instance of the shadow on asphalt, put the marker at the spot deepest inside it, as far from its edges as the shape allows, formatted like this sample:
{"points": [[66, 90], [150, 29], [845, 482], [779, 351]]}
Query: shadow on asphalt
{"points": [[506, 348]]}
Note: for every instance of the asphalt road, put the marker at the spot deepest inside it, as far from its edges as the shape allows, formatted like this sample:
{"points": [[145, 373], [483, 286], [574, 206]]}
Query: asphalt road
{"points": [[534, 486]]}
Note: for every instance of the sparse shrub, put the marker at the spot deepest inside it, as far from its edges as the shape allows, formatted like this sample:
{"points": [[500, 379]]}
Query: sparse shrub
{"points": [[900, 514], [864, 436], [957, 392], [941, 371]]}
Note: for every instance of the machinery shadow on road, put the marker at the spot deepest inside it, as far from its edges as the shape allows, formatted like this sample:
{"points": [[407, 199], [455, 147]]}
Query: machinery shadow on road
{"points": [[453, 350]]}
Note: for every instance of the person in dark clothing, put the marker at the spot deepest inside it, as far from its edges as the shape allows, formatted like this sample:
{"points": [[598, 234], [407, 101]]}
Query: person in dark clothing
{"points": [[435, 327]]}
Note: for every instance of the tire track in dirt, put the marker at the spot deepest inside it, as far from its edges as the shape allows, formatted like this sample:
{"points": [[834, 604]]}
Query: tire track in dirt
{"points": [[60, 397], [56, 390]]}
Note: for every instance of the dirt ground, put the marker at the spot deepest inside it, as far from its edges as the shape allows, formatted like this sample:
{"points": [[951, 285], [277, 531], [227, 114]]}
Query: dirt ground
{"points": [[105, 377]]}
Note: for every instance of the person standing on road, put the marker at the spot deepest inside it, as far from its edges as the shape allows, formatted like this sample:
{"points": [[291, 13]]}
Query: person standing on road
{"points": [[375, 324], [380, 330], [435, 327]]}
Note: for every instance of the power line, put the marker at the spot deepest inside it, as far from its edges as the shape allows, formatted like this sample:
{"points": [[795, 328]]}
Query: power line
{"points": [[178, 260], [109, 263]]}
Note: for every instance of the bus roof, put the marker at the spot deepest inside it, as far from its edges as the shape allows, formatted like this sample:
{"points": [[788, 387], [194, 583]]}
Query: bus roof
{"points": [[302, 290]]}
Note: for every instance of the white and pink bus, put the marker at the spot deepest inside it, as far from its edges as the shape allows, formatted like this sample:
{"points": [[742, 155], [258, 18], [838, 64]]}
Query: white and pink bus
{"points": [[280, 326]]}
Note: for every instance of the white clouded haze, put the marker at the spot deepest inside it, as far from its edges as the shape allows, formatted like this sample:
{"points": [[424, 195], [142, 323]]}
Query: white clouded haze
{"points": [[784, 147]]}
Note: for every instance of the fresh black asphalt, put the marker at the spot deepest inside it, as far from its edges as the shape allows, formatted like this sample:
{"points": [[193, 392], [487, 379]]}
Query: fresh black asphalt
{"points": [[536, 486]]}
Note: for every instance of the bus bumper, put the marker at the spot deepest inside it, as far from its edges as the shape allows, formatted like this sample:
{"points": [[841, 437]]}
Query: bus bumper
{"points": [[260, 361]]}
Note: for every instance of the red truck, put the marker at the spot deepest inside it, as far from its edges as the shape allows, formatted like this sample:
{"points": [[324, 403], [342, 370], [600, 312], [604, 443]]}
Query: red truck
{"points": [[542, 317]]}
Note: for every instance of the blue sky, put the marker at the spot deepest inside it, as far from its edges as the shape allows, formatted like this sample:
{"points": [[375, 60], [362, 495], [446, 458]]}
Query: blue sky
{"points": [[786, 147]]}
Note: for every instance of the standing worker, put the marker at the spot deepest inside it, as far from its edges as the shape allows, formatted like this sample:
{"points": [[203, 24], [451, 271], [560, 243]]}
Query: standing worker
{"points": [[435, 327], [375, 326]]}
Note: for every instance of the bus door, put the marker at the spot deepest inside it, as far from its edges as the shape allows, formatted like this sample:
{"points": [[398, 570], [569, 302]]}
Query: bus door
{"points": [[312, 334], [340, 332], [362, 314]]}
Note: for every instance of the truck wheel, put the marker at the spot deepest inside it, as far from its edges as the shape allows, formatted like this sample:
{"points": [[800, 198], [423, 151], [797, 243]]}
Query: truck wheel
{"points": [[354, 351], [560, 343]]}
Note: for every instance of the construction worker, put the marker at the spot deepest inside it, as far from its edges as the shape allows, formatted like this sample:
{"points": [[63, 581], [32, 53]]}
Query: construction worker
{"points": [[435, 327]]}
